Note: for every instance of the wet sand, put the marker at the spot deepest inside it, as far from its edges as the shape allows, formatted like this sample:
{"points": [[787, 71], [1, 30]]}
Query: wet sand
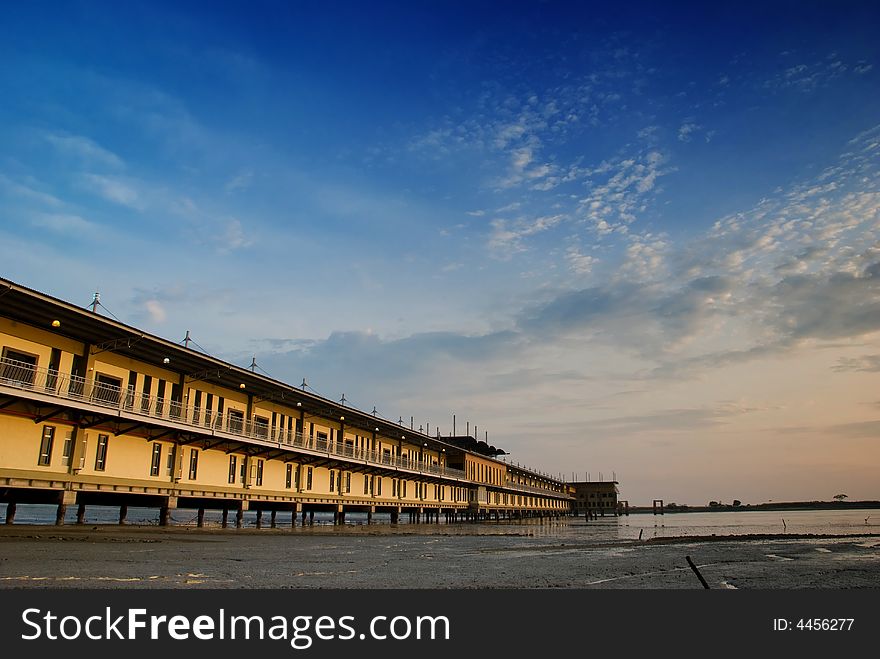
{"points": [[426, 556]]}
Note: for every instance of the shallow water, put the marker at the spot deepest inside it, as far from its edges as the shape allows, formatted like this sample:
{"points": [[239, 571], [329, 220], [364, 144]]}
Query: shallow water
{"points": [[602, 530]]}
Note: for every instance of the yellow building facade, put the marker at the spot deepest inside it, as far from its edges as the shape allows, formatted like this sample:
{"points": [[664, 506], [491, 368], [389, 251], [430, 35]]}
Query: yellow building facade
{"points": [[95, 412]]}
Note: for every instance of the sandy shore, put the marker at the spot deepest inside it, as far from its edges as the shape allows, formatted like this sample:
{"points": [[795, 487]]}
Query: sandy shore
{"points": [[448, 556]]}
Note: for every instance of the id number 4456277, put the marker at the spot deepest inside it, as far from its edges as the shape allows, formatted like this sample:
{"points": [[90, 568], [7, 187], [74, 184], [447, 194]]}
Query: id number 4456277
{"points": [[814, 624]]}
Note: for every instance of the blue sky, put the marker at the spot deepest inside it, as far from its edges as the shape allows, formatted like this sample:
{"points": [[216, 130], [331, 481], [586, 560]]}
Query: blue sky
{"points": [[638, 239]]}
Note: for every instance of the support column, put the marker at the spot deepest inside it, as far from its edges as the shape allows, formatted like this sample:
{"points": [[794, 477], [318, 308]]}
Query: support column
{"points": [[10, 512], [123, 513], [296, 508], [341, 514], [272, 518], [67, 498], [311, 518], [165, 511], [259, 519], [225, 522], [395, 515], [239, 516], [81, 514], [370, 514], [200, 520]]}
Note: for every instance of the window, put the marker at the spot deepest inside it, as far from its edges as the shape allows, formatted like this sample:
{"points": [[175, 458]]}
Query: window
{"points": [[332, 480], [404, 489], [296, 477], [101, 453], [67, 449], [309, 479], [169, 463], [52, 375], [197, 406], [45, 456], [193, 464], [394, 487], [259, 472], [366, 484], [175, 405], [160, 398], [156, 462], [242, 471], [129, 393], [209, 407], [233, 464], [18, 367], [288, 477], [379, 487], [107, 389], [145, 396], [322, 441], [236, 421], [261, 426], [348, 483]]}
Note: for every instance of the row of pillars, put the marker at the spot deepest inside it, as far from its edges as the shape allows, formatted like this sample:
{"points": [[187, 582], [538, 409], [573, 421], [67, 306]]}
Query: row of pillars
{"points": [[416, 516]]}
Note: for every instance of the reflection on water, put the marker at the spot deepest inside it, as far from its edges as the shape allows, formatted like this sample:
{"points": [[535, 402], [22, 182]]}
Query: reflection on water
{"points": [[575, 529]]}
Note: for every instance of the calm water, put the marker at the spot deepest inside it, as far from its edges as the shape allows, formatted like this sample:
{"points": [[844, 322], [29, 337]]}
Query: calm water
{"points": [[607, 529]]}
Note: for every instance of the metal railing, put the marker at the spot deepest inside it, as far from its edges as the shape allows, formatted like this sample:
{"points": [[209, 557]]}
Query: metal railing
{"points": [[22, 375]]}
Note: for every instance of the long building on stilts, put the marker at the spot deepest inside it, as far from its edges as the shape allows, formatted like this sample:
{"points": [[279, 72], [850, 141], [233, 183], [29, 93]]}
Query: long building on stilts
{"points": [[96, 412]]}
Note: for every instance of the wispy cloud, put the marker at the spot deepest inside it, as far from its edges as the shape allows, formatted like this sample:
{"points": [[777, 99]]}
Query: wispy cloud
{"points": [[580, 264], [232, 237], [507, 236], [64, 223], [84, 149], [808, 77], [687, 130], [240, 181], [113, 188], [28, 192], [865, 364], [619, 190]]}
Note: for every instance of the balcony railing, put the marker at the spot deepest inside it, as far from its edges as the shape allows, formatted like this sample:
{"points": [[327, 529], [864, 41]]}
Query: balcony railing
{"points": [[24, 376]]}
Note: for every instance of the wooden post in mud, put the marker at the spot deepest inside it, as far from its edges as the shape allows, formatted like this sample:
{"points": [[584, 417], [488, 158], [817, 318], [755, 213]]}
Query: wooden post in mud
{"points": [[697, 572]]}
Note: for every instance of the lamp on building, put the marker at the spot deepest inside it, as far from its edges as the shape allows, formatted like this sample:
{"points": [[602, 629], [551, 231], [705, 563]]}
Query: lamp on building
{"points": [[166, 361], [241, 386], [56, 323]]}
